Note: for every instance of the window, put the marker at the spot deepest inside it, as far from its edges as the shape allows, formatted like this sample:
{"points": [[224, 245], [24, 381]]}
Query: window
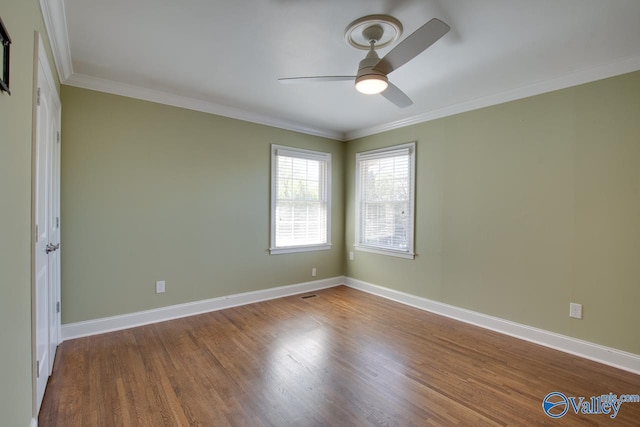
{"points": [[385, 184], [300, 200]]}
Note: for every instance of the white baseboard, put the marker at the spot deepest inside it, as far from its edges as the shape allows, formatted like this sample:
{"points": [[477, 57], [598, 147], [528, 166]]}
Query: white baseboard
{"points": [[125, 321], [598, 353], [609, 356]]}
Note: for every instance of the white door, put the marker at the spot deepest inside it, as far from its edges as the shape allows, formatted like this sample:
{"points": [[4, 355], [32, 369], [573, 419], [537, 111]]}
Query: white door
{"points": [[54, 234], [46, 217], [42, 172]]}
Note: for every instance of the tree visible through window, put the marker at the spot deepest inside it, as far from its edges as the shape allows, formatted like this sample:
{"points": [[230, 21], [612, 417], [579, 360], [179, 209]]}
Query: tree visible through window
{"points": [[300, 200], [385, 200]]}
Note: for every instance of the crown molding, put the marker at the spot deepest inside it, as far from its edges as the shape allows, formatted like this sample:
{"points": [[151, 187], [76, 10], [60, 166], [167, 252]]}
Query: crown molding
{"points": [[160, 97], [53, 12], [587, 75], [55, 21]]}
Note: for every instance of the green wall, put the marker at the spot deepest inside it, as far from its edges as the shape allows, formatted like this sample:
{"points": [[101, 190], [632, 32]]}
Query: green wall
{"points": [[524, 207], [521, 208], [152, 192], [21, 18]]}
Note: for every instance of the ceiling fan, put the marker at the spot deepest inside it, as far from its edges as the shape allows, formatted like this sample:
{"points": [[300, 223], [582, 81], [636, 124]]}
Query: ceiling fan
{"points": [[369, 33]]}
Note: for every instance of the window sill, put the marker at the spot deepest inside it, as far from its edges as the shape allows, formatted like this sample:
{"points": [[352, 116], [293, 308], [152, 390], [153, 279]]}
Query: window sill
{"points": [[389, 252], [294, 249]]}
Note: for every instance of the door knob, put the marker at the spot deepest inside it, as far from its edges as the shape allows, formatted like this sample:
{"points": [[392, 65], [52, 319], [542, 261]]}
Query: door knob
{"points": [[51, 247]]}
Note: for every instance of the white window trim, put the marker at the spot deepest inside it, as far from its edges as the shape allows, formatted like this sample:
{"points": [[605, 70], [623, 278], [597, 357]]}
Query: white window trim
{"points": [[294, 249], [382, 251], [308, 154], [383, 152]]}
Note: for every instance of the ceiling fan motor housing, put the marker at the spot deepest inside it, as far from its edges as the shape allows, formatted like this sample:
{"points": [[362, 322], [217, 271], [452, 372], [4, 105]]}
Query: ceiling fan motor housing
{"points": [[366, 71]]}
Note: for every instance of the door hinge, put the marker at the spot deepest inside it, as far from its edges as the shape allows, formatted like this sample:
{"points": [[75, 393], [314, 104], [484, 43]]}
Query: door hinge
{"points": [[57, 222], [58, 136], [58, 307], [37, 369], [36, 233], [38, 98]]}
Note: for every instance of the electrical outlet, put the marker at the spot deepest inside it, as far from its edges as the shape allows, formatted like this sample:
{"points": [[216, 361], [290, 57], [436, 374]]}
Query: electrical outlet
{"points": [[350, 255], [313, 272], [160, 286], [575, 310]]}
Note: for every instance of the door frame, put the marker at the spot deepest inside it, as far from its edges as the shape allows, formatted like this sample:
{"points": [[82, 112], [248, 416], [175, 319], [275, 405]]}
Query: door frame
{"points": [[54, 330]]}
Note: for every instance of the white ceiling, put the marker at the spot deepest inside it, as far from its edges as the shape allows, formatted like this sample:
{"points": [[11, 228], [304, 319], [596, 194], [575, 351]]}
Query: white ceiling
{"points": [[225, 56]]}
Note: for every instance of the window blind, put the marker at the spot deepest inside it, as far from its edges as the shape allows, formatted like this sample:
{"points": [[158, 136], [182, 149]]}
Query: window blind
{"points": [[385, 199], [301, 198]]}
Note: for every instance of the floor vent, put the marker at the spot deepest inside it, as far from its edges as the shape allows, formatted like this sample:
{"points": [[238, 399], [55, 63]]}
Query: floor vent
{"points": [[309, 296]]}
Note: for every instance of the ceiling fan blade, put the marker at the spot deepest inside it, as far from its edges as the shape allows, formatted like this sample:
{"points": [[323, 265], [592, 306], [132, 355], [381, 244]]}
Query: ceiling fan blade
{"points": [[412, 46], [396, 96], [288, 80]]}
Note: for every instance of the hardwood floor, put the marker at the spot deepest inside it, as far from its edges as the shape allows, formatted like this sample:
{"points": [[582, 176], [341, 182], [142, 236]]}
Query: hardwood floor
{"points": [[342, 358]]}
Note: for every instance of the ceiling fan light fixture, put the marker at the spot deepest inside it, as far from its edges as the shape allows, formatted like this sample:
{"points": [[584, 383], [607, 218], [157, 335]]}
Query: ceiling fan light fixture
{"points": [[372, 71], [371, 84]]}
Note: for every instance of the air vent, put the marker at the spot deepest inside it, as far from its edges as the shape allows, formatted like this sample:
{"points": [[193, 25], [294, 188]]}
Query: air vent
{"points": [[309, 296]]}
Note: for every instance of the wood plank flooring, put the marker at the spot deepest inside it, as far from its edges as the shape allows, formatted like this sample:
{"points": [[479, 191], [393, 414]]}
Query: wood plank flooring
{"points": [[342, 358]]}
